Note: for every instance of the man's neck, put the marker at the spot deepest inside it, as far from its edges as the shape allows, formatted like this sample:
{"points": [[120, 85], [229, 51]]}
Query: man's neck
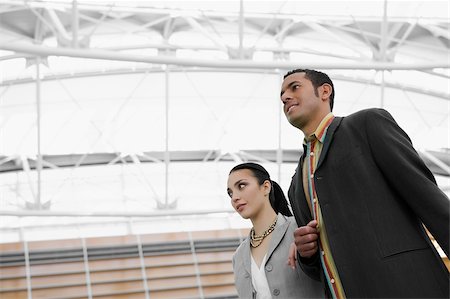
{"points": [[311, 126]]}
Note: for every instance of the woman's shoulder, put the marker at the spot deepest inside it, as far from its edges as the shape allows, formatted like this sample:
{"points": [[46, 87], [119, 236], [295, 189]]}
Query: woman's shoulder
{"points": [[292, 224], [290, 219], [285, 226], [239, 252]]}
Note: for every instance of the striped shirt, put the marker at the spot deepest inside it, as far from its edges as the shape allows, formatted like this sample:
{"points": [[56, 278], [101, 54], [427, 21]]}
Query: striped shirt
{"points": [[313, 147]]}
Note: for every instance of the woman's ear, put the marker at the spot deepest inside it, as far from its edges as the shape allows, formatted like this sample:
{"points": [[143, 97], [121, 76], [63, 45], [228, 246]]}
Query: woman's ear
{"points": [[267, 187]]}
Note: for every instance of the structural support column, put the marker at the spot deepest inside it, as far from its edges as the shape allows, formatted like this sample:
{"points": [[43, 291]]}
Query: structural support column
{"points": [[280, 148], [75, 20], [38, 128], [143, 267], [27, 262], [166, 153], [382, 86], [383, 50], [241, 29], [86, 267], [197, 268]]}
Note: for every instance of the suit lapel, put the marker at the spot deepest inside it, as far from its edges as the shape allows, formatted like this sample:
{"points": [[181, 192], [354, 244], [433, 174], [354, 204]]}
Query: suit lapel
{"points": [[328, 139], [299, 199]]}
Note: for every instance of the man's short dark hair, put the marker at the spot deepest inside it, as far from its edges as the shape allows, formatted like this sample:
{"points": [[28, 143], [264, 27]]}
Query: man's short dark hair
{"points": [[317, 79]]}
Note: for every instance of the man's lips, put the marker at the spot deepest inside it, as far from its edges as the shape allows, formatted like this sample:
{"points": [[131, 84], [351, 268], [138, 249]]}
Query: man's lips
{"points": [[289, 107]]}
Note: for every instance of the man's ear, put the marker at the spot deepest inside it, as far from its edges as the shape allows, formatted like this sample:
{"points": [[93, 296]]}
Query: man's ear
{"points": [[327, 89]]}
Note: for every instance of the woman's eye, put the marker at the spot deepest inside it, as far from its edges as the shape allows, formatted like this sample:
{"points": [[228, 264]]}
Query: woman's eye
{"points": [[241, 186]]}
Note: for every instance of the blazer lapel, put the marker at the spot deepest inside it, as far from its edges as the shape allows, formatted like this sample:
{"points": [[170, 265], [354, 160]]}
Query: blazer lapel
{"points": [[328, 139], [247, 262], [277, 235]]}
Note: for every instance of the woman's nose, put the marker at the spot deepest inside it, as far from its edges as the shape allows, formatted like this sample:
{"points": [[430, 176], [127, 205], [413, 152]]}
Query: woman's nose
{"points": [[234, 197]]}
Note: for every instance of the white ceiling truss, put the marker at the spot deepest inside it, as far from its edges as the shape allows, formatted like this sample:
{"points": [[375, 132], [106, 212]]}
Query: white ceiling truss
{"points": [[143, 38], [28, 25]]}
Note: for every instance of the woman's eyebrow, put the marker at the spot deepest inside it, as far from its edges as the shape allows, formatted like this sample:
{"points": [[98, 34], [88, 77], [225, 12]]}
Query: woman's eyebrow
{"points": [[238, 182], [235, 184]]}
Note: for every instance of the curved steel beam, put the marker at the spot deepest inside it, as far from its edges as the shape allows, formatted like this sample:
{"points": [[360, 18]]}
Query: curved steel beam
{"points": [[122, 71], [437, 161], [40, 50]]}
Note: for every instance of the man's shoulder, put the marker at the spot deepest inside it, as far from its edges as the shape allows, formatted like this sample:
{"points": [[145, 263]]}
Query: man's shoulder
{"points": [[361, 115]]}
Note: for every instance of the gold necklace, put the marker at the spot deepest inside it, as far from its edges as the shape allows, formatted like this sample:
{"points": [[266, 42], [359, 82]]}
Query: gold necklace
{"points": [[255, 241]]}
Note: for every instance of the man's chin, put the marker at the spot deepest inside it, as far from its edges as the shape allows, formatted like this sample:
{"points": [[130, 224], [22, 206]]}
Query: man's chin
{"points": [[295, 122]]}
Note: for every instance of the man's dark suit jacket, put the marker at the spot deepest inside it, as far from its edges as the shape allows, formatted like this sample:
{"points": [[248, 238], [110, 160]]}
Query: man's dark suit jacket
{"points": [[375, 192]]}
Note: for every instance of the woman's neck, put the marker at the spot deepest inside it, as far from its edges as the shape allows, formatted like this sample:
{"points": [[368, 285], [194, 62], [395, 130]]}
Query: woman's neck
{"points": [[263, 220]]}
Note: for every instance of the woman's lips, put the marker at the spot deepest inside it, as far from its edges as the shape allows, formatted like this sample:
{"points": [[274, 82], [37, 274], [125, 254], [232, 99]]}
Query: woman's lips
{"points": [[240, 207]]}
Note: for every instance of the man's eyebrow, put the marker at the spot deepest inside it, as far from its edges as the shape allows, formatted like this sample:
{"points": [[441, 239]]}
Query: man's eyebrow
{"points": [[289, 85]]}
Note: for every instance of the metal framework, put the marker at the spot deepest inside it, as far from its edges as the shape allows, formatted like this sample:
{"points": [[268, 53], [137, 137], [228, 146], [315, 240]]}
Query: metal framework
{"points": [[238, 38]]}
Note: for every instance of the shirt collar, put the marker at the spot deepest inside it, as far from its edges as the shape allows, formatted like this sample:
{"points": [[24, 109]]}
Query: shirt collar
{"points": [[321, 130]]}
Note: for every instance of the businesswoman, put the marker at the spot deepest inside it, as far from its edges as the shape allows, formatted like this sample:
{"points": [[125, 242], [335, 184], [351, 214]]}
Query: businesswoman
{"points": [[260, 263]]}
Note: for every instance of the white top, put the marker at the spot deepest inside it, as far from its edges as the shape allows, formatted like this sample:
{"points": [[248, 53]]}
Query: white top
{"points": [[259, 280]]}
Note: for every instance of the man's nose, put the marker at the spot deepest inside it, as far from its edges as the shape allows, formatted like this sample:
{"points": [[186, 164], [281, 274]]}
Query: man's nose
{"points": [[285, 97]]}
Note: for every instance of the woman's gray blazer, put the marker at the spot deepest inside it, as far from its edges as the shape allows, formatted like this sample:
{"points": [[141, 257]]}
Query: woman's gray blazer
{"points": [[284, 282]]}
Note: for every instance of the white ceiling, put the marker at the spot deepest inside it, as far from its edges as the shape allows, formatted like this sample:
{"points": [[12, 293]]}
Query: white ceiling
{"points": [[182, 77]]}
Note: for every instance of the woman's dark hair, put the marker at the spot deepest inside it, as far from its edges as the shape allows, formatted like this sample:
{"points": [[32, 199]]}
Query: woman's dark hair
{"points": [[276, 197]]}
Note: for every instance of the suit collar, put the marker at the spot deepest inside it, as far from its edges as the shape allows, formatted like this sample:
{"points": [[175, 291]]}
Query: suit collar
{"points": [[321, 130], [329, 138], [299, 201]]}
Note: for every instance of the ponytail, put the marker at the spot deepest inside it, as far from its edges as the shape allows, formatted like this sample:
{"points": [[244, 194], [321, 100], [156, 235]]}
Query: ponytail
{"points": [[278, 200]]}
